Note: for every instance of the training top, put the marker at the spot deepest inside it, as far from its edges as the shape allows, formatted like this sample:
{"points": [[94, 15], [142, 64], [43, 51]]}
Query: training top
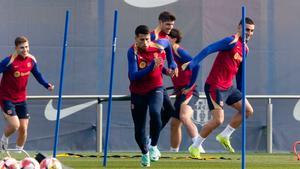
{"points": [[16, 71]]}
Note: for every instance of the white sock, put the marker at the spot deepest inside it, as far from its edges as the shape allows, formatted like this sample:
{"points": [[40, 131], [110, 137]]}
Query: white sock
{"points": [[19, 147], [194, 139], [227, 131], [4, 138], [198, 142], [174, 149]]}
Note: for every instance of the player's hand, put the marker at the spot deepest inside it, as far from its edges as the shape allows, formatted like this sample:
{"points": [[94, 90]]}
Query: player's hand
{"points": [[185, 66], [51, 87], [169, 72], [176, 72], [158, 61], [172, 73], [14, 54]]}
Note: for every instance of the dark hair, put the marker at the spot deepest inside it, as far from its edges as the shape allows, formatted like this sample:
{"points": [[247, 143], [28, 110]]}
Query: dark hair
{"points": [[21, 39], [141, 29], [248, 21], [175, 33], [166, 16]]}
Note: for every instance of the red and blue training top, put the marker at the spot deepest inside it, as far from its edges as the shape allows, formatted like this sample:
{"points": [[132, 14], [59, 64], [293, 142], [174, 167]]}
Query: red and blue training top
{"points": [[227, 64], [186, 78], [142, 75], [16, 71]]}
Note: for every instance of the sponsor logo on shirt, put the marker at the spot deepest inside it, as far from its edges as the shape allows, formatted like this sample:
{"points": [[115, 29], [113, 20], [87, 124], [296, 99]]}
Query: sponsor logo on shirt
{"points": [[18, 74]]}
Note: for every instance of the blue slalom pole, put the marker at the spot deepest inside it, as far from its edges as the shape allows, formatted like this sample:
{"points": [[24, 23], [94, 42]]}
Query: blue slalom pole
{"points": [[113, 51], [61, 84], [244, 89]]}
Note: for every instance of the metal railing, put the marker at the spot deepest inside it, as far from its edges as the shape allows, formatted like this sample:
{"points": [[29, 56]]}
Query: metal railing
{"points": [[104, 98]]}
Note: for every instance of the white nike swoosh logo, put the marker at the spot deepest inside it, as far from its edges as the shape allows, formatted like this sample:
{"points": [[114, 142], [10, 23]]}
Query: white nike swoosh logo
{"points": [[149, 3], [297, 111], [50, 112]]}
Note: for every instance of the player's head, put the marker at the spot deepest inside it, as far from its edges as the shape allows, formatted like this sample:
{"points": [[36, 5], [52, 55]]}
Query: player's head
{"points": [[22, 45], [175, 36], [249, 28], [142, 37], [166, 21]]}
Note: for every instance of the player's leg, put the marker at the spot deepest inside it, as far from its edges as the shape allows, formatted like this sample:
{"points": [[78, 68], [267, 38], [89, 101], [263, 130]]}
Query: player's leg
{"points": [[155, 102], [214, 99], [176, 134], [186, 112], [215, 103], [22, 136], [22, 112], [234, 100], [167, 109], [139, 116], [12, 122], [237, 118]]}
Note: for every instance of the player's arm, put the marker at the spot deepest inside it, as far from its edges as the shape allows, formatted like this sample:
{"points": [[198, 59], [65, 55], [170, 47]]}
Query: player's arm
{"points": [[4, 64], [133, 72], [193, 79], [224, 44], [38, 76], [168, 49], [184, 56]]}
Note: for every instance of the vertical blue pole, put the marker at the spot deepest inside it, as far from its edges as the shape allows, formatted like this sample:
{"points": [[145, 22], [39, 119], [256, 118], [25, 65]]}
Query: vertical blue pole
{"points": [[61, 84], [113, 51], [244, 90]]}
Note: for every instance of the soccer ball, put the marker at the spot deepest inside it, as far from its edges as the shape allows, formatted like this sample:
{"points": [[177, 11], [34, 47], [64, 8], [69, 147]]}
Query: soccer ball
{"points": [[9, 163], [50, 163], [29, 163]]}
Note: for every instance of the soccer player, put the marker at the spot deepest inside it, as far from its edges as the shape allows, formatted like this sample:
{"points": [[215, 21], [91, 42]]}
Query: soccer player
{"points": [[145, 63], [185, 99], [16, 69], [219, 88], [166, 23]]}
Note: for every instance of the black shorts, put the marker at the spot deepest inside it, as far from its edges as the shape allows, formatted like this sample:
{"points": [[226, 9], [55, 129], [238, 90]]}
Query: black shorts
{"points": [[216, 97], [180, 98], [15, 109]]}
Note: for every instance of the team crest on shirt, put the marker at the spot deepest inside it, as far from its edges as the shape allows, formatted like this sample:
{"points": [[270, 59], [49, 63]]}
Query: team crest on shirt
{"points": [[17, 74], [201, 112], [28, 64], [142, 64], [238, 57]]}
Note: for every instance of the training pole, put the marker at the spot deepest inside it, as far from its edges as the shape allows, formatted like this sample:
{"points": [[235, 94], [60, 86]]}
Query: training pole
{"points": [[244, 90], [61, 84], [113, 51]]}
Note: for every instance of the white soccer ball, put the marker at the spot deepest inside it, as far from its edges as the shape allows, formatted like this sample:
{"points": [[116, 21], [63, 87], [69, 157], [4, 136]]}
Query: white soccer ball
{"points": [[50, 163], [9, 163], [29, 163]]}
